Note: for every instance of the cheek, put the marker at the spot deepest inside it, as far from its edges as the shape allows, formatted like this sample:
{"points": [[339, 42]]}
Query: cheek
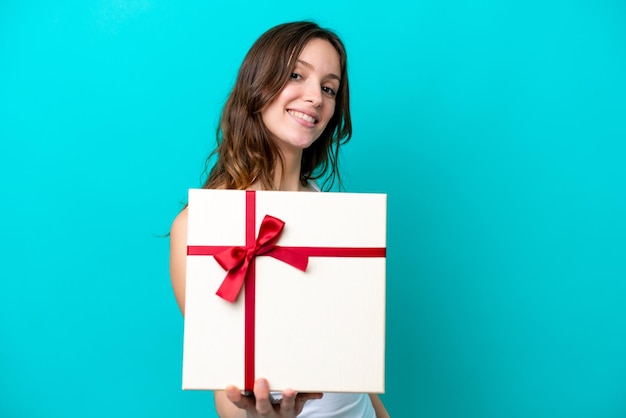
{"points": [[269, 113], [330, 110]]}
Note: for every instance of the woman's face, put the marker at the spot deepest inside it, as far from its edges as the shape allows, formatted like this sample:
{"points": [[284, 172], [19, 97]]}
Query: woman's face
{"points": [[301, 111]]}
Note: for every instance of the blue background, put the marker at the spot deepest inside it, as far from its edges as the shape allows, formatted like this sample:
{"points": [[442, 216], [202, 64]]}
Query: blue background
{"points": [[497, 129]]}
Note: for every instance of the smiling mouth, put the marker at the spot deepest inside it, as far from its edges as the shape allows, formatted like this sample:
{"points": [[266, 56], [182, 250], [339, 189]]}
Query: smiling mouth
{"points": [[302, 116]]}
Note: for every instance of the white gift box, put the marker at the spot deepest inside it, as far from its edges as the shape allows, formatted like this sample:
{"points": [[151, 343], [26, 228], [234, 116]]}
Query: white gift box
{"points": [[318, 330]]}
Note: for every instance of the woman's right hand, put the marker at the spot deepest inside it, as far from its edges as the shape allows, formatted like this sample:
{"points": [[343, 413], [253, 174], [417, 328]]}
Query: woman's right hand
{"points": [[260, 404]]}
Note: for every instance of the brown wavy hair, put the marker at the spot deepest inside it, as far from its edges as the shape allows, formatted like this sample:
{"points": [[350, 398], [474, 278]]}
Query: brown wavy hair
{"points": [[245, 151]]}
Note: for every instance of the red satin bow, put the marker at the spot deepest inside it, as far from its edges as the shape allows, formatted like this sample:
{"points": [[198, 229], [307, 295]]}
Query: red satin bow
{"points": [[236, 260]]}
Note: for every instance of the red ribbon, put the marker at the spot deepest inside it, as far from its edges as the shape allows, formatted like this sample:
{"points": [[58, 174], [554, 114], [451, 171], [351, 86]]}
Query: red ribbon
{"points": [[236, 260], [239, 262]]}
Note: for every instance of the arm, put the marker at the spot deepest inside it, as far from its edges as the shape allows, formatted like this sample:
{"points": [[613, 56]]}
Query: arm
{"points": [[178, 270], [381, 412], [178, 258], [230, 403]]}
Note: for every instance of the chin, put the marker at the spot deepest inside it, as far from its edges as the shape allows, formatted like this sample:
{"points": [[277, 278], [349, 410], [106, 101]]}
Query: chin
{"points": [[307, 145], [301, 144]]}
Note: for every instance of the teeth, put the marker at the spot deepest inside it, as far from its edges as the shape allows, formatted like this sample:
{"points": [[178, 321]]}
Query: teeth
{"points": [[302, 116]]}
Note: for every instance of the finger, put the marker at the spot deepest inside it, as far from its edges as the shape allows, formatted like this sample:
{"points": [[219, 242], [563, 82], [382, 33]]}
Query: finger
{"points": [[236, 397], [262, 394], [288, 403]]}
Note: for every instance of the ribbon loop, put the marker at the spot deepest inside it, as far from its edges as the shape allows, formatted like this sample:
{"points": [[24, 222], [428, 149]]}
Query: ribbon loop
{"points": [[231, 257], [236, 260]]}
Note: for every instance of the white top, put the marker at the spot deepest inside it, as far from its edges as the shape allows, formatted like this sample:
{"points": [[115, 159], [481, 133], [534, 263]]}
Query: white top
{"points": [[314, 185], [339, 405]]}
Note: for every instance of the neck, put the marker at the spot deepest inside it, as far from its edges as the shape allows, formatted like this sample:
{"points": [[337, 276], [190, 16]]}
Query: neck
{"points": [[287, 177]]}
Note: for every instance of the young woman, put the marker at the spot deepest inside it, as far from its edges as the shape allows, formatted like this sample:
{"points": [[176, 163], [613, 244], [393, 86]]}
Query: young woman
{"points": [[281, 129]]}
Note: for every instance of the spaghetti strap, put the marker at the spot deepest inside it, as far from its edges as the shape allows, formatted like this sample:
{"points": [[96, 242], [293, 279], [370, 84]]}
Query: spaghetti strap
{"points": [[314, 185]]}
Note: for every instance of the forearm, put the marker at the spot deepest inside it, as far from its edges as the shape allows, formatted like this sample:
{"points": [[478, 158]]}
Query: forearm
{"points": [[379, 408]]}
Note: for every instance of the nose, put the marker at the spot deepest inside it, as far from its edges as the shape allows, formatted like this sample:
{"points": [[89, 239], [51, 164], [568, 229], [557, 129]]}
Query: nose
{"points": [[313, 93]]}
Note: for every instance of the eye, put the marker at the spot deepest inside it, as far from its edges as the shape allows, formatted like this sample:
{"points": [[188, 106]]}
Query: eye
{"points": [[328, 90], [296, 76]]}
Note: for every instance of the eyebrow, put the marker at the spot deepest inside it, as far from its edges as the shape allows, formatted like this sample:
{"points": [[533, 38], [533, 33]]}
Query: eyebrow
{"points": [[308, 65]]}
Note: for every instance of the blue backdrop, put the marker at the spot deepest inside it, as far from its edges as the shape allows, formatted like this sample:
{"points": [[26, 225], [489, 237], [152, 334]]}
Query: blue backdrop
{"points": [[497, 129]]}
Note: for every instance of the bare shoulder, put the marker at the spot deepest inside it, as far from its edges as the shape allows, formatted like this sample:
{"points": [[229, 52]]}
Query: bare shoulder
{"points": [[180, 223], [178, 257]]}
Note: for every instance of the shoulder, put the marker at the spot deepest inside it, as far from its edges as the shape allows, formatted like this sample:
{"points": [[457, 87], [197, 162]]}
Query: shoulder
{"points": [[179, 225]]}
